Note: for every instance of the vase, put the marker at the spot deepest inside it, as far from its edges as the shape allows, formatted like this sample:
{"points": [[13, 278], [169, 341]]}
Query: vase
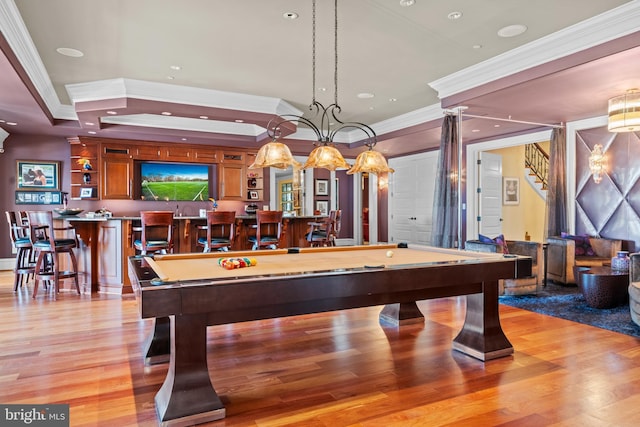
{"points": [[620, 262]]}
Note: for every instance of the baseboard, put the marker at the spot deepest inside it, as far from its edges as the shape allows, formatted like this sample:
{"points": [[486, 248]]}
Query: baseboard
{"points": [[7, 263]]}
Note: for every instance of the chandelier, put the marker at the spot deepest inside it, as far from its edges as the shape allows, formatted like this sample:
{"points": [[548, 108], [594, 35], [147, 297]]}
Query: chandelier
{"points": [[624, 112], [326, 126]]}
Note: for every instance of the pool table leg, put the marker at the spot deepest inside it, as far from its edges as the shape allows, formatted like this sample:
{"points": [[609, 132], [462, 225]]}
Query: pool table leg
{"points": [[187, 396], [158, 344], [481, 335], [404, 313]]}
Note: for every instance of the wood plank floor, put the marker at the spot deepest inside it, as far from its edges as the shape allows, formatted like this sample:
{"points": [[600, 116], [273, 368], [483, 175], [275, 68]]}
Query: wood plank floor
{"points": [[331, 369]]}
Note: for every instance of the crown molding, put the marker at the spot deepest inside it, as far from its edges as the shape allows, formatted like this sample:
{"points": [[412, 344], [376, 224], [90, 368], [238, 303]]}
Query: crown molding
{"points": [[184, 123], [605, 27], [165, 92], [18, 38]]}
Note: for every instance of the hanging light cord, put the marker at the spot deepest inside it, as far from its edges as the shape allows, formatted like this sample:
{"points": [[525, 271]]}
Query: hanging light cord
{"points": [[324, 133]]}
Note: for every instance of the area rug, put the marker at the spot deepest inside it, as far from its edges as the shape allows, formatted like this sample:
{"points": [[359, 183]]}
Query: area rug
{"points": [[567, 302]]}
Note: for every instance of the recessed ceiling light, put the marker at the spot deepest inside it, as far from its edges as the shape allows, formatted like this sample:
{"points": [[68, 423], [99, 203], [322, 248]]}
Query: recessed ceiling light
{"points": [[175, 67], [92, 132], [290, 15], [12, 123], [183, 139], [111, 112], [365, 95], [393, 99], [165, 113], [239, 121], [2, 121], [496, 126], [407, 3], [477, 46], [512, 30], [322, 89], [67, 51], [454, 15], [372, 108], [204, 117], [475, 130], [170, 77], [89, 123]]}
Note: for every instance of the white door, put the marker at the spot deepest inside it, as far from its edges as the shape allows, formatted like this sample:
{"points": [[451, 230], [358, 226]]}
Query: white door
{"points": [[489, 195], [411, 192]]}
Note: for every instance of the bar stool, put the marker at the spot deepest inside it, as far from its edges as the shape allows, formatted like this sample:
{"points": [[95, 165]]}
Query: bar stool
{"points": [[324, 233], [18, 233], [156, 234], [268, 230], [48, 247], [220, 231]]}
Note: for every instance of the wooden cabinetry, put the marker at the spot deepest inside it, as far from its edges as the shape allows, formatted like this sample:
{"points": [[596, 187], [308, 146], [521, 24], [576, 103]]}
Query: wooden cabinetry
{"points": [[85, 172], [231, 175], [205, 155], [112, 167], [117, 171]]}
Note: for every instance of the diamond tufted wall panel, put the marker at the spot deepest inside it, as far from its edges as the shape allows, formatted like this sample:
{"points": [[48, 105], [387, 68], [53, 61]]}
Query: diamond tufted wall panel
{"points": [[611, 208]]}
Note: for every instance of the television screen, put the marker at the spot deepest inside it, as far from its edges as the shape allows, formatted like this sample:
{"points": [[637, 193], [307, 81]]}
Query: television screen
{"points": [[174, 181]]}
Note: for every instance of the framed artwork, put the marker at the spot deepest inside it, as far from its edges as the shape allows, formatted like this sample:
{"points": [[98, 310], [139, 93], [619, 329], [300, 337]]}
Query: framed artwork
{"points": [[253, 195], [322, 206], [322, 187], [510, 191], [37, 175], [86, 193]]}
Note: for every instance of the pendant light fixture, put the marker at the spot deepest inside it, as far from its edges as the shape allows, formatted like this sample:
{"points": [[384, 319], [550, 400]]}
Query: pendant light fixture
{"points": [[624, 112], [325, 155]]}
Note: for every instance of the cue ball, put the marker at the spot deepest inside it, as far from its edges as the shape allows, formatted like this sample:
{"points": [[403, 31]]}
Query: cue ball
{"points": [[389, 254]]}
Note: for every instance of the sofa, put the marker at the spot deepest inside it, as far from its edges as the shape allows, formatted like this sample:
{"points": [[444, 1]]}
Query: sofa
{"points": [[562, 256], [634, 287], [523, 286]]}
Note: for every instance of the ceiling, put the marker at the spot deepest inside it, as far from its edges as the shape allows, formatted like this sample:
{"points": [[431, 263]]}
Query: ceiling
{"points": [[240, 63]]}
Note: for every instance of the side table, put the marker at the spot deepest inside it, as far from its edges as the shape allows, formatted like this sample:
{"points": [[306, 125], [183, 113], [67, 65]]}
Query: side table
{"points": [[603, 287]]}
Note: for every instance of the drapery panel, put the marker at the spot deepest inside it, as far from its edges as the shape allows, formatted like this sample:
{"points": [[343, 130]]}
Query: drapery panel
{"points": [[445, 204], [556, 206]]}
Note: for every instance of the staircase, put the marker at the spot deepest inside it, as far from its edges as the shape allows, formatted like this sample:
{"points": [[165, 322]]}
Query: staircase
{"points": [[537, 163]]}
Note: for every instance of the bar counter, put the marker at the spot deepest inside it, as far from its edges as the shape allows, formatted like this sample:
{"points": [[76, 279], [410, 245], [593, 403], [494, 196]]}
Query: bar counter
{"points": [[107, 242]]}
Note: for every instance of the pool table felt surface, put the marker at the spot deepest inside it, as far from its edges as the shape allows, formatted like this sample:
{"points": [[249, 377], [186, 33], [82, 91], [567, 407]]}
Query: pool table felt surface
{"points": [[186, 267]]}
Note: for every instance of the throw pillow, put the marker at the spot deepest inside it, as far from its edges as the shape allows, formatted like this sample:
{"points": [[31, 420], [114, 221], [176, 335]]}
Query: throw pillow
{"points": [[583, 245], [499, 240]]}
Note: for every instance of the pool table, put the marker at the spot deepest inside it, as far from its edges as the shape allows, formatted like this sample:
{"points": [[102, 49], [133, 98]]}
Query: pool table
{"points": [[187, 292]]}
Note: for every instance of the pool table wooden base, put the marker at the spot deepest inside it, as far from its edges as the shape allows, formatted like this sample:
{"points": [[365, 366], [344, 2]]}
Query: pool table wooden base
{"points": [[182, 312]]}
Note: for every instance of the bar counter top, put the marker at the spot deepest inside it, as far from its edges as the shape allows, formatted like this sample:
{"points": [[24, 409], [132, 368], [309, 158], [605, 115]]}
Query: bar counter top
{"points": [[107, 242]]}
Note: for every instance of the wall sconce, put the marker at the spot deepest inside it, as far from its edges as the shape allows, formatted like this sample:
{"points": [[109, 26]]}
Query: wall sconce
{"points": [[624, 112], [597, 163]]}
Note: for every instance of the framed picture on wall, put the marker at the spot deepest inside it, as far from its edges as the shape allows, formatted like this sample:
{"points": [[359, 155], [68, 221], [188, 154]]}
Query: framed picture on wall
{"points": [[322, 187], [510, 191], [37, 175], [86, 193], [322, 206]]}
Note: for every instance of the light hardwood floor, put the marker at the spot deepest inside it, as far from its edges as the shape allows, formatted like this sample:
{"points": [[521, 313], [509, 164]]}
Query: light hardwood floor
{"points": [[331, 369]]}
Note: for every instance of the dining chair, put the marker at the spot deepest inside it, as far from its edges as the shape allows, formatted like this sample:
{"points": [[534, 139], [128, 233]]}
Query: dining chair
{"points": [[156, 232], [50, 242], [19, 235], [268, 230], [220, 231]]}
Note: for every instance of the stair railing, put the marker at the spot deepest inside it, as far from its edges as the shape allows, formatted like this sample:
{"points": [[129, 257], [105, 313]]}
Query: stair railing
{"points": [[537, 161]]}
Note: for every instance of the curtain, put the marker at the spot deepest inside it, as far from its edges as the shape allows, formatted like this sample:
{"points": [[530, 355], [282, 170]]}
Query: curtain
{"points": [[445, 204], [556, 206]]}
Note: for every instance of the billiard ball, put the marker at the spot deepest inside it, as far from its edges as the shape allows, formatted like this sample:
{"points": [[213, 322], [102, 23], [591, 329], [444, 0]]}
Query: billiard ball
{"points": [[389, 254]]}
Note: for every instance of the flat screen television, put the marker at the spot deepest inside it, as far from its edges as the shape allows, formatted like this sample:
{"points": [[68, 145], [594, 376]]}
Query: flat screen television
{"points": [[174, 181]]}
